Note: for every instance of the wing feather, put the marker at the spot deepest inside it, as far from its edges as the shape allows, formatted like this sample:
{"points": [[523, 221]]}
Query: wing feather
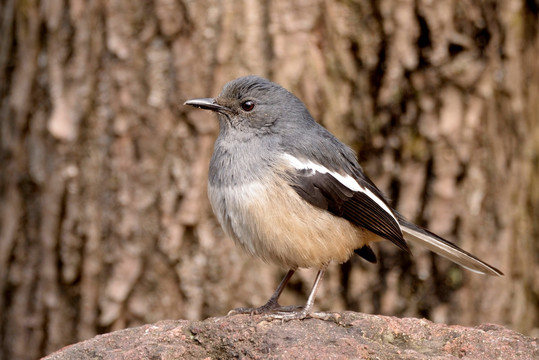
{"points": [[361, 205], [355, 198]]}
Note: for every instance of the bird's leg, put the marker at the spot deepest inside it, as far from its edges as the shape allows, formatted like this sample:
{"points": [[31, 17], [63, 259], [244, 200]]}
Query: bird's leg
{"points": [[306, 311], [273, 302]]}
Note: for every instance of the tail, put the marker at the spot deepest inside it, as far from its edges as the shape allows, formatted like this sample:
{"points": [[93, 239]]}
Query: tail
{"points": [[442, 247]]}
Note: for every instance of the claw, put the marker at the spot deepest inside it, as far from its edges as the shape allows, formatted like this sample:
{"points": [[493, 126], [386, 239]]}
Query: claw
{"points": [[304, 314], [267, 308], [264, 309]]}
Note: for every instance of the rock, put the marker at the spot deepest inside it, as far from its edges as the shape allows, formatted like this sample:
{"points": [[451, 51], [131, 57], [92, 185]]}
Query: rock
{"points": [[357, 336]]}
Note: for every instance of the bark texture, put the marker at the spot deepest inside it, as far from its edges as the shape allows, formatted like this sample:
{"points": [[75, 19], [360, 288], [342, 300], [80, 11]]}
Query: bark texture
{"points": [[104, 219]]}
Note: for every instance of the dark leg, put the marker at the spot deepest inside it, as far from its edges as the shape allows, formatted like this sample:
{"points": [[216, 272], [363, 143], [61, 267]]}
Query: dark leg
{"points": [[273, 302], [306, 312]]}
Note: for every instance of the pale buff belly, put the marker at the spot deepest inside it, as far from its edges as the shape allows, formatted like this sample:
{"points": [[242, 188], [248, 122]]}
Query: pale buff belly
{"points": [[277, 225]]}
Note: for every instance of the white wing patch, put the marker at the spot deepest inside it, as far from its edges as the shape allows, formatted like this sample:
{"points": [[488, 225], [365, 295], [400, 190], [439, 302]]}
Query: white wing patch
{"points": [[346, 179]]}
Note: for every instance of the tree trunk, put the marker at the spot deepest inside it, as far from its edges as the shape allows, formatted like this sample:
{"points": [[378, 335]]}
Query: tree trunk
{"points": [[105, 222]]}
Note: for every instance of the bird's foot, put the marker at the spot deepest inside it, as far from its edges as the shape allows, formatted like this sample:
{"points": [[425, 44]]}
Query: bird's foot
{"points": [[267, 308], [303, 314]]}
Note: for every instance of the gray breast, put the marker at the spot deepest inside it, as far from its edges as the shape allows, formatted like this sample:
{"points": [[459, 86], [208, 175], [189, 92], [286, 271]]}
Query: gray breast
{"points": [[230, 205]]}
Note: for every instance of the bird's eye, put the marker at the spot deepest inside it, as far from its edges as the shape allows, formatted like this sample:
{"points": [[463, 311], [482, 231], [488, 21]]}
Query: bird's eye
{"points": [[248, 105]]}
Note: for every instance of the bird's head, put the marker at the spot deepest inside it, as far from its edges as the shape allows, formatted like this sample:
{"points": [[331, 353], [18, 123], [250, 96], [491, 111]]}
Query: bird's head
{"points": [[254, 104]]}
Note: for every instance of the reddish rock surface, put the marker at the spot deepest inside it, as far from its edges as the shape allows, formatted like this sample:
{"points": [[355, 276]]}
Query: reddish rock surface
{"points": [[358, 336]]}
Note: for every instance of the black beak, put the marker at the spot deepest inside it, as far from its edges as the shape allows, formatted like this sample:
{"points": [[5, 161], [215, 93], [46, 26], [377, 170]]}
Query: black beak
{"points": [[206, 104]]}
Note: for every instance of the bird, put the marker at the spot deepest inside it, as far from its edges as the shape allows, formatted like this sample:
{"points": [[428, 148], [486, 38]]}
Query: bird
{"points": [[290, 193]]}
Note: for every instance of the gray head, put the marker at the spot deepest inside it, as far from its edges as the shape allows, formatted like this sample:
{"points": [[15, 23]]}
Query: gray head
{"points": [[255, 110], [260, 120], [257, 106]]}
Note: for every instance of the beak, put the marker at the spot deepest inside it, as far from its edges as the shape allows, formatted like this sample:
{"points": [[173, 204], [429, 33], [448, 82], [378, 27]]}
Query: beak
{"points": [[206, 104]]}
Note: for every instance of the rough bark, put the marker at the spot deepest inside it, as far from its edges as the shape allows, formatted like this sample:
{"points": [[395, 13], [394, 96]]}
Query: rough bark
{"points": [[105, 223]]}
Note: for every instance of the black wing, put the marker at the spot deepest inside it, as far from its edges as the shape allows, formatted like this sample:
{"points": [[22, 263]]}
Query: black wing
{"points": [[325, 191]]}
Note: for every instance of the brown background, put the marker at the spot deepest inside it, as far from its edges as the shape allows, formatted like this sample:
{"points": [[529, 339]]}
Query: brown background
{"points": [[104, 220]]}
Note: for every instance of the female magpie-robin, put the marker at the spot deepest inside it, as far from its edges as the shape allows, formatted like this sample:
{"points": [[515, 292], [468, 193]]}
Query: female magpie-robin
{"points": [[289, 192]]}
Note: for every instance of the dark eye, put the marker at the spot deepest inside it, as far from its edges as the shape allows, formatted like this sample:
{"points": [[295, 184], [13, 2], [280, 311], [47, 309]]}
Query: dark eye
{"points": [[248, 105]]}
